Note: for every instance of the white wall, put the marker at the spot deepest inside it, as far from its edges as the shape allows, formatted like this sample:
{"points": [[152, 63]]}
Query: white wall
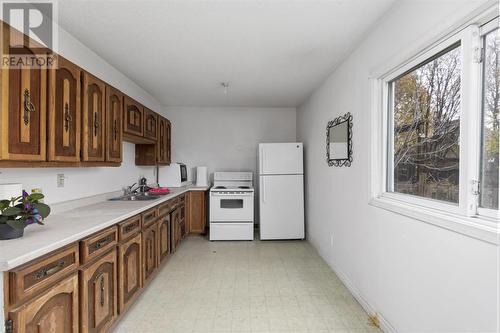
{"points": [[226, 138], [419, 277], [82, 182]]}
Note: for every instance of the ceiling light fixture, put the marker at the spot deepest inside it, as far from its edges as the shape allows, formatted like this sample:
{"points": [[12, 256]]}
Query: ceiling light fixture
{"points": [[225, 85]]}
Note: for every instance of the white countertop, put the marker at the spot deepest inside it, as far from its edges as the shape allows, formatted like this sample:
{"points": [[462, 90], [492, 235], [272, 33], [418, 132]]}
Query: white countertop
{"points": [[66, 227]]}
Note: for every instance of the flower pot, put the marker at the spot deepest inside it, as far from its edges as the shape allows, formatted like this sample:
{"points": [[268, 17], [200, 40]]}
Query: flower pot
{"points": [[7, 232]]}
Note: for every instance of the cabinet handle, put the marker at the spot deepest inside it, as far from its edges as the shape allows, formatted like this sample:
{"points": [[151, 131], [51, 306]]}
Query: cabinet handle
{"points": [[96, 123], [67, 117], [49, 271], [103, 242], [28, 106], [129, 228], [102, 291], [115, 129]]}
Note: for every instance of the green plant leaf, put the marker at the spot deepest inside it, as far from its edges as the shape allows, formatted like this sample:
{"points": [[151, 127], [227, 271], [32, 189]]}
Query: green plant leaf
{"points": [[11, 211], [43, 209], [36, 196], [4, 204], [16, 224], [3, 219]]}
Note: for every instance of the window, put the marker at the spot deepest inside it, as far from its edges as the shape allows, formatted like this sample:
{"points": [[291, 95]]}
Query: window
{"points": [[425, 105], [436, 131], [490, 121]]}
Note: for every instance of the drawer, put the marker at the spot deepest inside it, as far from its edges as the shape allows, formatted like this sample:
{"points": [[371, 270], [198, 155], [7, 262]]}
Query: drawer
{"points": [[32, 278], [129, 228], [149, 217], [182, 199], [98, 244], [165, 208]]}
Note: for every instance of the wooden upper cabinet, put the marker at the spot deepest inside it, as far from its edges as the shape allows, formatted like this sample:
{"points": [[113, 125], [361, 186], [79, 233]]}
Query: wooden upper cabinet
{"points": [[150, 124], [163, 145], [133, 117], [94, 118], [169, 143], [54, 311], [114, 111], [64, 112], [23, 103], [98, 294]]}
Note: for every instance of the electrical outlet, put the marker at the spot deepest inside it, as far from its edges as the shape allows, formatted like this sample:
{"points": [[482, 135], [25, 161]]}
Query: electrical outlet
{"points": [[331, 240], [60, 179]]}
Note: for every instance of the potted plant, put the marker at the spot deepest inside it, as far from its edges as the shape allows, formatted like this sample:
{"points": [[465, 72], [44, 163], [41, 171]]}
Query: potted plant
{"points": [[17, 213]]}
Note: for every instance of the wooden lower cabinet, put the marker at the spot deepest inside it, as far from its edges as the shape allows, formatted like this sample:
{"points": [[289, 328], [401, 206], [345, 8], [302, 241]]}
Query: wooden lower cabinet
{"points": [[55, 311], [130, 267], [175, 229], [196, 212], [59, 293], [163, 238], [98, 294], [149, 252]]}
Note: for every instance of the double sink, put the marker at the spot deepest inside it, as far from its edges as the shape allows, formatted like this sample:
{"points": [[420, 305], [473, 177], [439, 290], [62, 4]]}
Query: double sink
{"points": [[136, 197]]}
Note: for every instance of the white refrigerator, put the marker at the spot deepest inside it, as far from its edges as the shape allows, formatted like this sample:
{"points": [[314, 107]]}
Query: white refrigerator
{"points": [[281, 191]]}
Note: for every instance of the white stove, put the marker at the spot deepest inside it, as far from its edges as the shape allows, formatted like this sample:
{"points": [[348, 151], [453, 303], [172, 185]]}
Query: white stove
{"points": [[232, 206]]}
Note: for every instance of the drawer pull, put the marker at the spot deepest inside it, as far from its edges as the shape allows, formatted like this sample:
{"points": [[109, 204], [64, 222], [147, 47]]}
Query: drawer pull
{"points": [[103, 242], [49, 271], [129, 228]]}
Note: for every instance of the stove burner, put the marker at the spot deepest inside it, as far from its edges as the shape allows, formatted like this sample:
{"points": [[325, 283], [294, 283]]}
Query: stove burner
{"points": [[244, 187], [221, 187]]}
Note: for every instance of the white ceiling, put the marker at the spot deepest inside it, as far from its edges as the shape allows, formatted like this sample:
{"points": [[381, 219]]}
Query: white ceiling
{"points": [[273, 53]]}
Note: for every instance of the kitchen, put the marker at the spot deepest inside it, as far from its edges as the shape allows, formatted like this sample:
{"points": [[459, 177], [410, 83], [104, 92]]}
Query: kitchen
{"points": [[337, 257]]}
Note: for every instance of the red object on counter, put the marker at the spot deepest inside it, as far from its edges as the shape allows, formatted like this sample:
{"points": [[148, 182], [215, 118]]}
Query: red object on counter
{"points": [[160, 190]]}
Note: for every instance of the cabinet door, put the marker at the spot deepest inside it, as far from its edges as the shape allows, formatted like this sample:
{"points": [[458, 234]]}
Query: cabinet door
{"points": [[175, 230], [94, 118], [182, 222], [98, 294], [64, 112], [133, 117], [149, 250], [150, 124], [169, 143], [56, 311], [163, 238], [114, 110], [130, 265], [23, 107], [196, 212], [162, 147]]}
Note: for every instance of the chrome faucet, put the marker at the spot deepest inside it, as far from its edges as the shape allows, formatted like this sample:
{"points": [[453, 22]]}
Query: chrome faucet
{"points": [[128, 189]]}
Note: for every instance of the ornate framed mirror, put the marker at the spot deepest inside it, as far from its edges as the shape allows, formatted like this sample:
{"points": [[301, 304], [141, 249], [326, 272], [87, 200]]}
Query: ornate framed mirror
{"points": [[339, 141]]}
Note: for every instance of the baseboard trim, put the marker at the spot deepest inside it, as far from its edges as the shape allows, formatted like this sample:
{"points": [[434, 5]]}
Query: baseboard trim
{"points": [[385, 325]]}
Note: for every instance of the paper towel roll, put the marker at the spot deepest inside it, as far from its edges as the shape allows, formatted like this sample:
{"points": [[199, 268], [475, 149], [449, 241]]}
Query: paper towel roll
{"points": [[201, 176], [12, 190]]}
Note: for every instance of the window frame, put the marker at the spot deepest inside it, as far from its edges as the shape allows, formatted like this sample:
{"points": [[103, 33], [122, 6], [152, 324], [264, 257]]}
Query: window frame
{"points": [[465, 217], [485, 29]]}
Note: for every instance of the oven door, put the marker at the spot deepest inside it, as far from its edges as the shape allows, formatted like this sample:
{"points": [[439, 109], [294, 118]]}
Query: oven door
{"points": [[225, 207]]}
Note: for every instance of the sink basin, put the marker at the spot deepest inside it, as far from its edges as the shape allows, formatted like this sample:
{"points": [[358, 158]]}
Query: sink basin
{"points": [[136, 197]]}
